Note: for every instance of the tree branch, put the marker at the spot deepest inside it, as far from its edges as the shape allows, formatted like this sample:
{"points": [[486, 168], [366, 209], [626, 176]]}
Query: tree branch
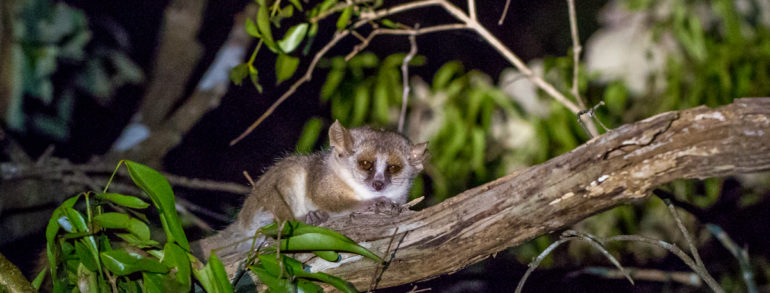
{"points": [[619, 167]]}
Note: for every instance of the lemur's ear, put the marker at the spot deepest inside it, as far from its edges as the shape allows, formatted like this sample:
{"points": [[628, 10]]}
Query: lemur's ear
{"points": [[418, 155], [340, 139]]}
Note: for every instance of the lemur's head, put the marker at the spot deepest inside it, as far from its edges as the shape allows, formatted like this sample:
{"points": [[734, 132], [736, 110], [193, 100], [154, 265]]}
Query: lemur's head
{"points": [[383, 162]]}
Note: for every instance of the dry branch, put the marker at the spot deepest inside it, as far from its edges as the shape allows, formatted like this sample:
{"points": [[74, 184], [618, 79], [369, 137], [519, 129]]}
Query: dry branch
{"points": [[616, 168]]}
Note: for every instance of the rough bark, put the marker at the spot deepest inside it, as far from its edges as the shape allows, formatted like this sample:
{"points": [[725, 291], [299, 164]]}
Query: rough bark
{"points": [[618, 167]]}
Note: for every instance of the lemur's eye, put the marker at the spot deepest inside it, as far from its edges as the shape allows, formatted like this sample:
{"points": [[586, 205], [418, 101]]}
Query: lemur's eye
{"points": [[393, 169], [365, 165]]}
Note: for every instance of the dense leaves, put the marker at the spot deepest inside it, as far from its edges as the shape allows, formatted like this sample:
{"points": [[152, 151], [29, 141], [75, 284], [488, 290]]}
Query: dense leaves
{"points": [[83, 250]]}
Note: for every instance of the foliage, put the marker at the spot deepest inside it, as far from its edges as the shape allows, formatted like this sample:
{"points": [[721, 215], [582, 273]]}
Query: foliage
{"points": [[102, 250], [285, 274], [303, 30], [49, 36], [92, 249]]}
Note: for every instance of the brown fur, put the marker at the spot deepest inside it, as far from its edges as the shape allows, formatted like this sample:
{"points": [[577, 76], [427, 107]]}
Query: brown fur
{"points": [[282, 188]]}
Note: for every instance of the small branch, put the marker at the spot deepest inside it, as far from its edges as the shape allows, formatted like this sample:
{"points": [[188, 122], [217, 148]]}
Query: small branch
{"points": [[405, 78], [505, 12], [686, 278], [337, 8], [576, 50], [740, 254], [568, 236], [587, 124], [305, 78], [509, 55], [536, 262], [702, 273], [472, 9], [687, 238]]}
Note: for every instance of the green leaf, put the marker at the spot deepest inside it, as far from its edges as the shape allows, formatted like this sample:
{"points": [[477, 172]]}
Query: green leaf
{"points": [[293, 37], [254, 77], [333, 80], [615, 96], [309, 135], [445, 74], [285, 66], [133, 240], [52, 250], [123, 221], [295, 268], [263, 24], [326, 5], [295, 228], [238, 73], [344, 18], [341, 108], [123, 200], [175, 257], [364, 60], [213, 277], [296, 4], [121, 263], [389, 23], [87, 280], [40, 278], [361, 99], [286, 12], [251, 28], [380, 99], [53, 224], [318, 241], [327, 255], [313, 30], [85, 255], [283, 285], [154, 283], [76, 219], [158, 189]]}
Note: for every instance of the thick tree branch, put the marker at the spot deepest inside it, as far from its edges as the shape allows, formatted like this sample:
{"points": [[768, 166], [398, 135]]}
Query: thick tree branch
{"points": [[618, 167]]}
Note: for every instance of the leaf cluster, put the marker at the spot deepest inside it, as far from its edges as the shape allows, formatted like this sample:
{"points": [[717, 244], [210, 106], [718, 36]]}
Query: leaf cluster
{"points": [[301, 33], [101, 242], [51, 36]]}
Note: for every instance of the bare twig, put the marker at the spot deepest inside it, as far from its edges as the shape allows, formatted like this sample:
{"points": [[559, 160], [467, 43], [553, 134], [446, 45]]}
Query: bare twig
{"points": [[505, 12], [472, 9], [373, 284], [418, 31], [565, 237], [587, 124], [536, 262], [405, 78], [702, 273], [248, 178], [687, 238], [686, 278], [741, 254], [576, 50], [305, 78]]}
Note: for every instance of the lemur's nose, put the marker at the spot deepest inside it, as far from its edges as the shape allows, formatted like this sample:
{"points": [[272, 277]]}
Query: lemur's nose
{"points": [[378, 185]]}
